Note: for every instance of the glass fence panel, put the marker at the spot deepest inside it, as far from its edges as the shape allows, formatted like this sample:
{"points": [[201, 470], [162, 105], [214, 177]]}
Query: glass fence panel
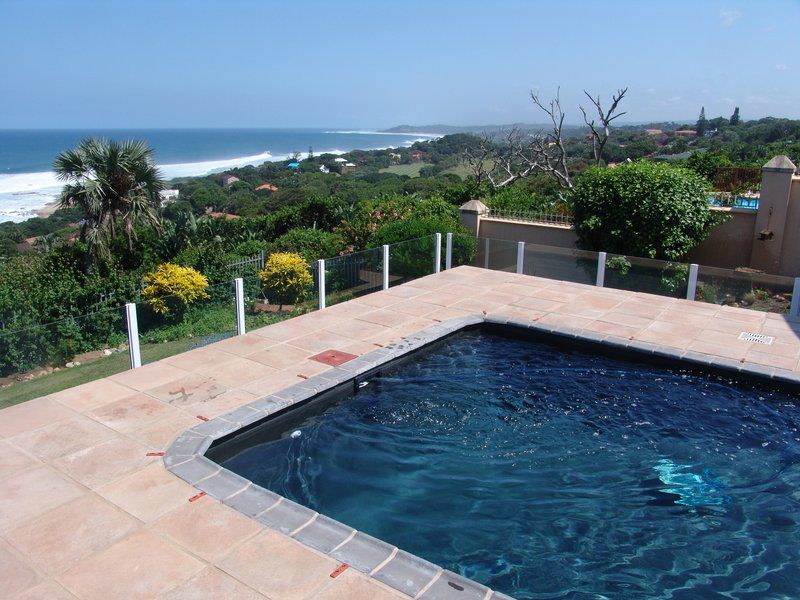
{"points": [[259, 312], [757, 291], [43, 359], [465, 248], [497, 255], [176, 327], [659, 277], [566, 264], [353, 275], [413, 259]]}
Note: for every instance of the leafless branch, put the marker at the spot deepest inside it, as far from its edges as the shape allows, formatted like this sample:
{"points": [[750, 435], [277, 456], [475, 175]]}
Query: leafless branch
{"points": [[601, 131], [519, 154]]}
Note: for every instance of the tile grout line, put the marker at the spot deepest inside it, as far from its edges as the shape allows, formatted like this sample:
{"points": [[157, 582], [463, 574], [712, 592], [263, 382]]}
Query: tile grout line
{"points": [[386, 560], [428, 585], [304, 525], [347, 539]]}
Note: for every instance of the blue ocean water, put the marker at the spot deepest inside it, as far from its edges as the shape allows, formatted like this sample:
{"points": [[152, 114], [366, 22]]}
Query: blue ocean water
{"points": [[550, 473], [26, 156]]}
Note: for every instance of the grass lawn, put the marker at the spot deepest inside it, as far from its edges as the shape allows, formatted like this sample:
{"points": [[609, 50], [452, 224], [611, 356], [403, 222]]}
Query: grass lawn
{"points": [[67, 378], [461, 170], [411, 170], [200, 334]]}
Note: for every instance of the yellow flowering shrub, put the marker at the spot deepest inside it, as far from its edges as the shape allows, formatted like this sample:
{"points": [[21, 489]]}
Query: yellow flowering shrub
{"points": [[286, 277], [173, 286]]}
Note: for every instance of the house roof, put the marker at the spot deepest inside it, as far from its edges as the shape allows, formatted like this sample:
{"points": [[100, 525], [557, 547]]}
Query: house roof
{"points": [[220, 215], [267, 186]]}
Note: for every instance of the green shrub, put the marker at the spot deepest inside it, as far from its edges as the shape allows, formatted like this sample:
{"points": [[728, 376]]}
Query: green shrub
{"points": [[311, 244], [412, 257], [642, 209], [208, 258], [511, 197], [286, 277], [170, 288]]}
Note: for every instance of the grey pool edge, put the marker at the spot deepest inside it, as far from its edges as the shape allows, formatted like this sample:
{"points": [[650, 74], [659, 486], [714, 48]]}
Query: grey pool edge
{"points": [[409, 574]]}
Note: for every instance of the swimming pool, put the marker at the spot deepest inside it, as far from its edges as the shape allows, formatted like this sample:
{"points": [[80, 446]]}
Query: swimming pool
{"points": [[552, 472]]}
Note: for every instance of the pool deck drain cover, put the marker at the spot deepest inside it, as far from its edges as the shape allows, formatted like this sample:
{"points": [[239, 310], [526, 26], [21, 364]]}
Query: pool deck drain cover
{"points": [[757, 338], [334, 358]]}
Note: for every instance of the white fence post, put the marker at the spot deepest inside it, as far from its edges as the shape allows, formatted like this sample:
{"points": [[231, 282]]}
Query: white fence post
{"points": [[691, 289], [520, 256], [437, 253], [238, 286], [794, 310], [486, 253], [448, 255], [386, 266], [321, 282], [133, 335], [601, 269]]}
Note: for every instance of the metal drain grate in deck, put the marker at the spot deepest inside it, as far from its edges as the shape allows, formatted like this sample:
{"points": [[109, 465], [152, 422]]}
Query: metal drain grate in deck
{"points": [[758, 338]]}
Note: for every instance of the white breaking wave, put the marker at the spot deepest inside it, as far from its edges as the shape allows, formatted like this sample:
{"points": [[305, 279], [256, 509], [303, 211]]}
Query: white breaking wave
{"points": [[196, 169], [22, 195]]}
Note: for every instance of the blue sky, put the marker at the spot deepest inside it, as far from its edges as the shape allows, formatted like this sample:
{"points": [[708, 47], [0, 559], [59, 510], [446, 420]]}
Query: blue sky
{"points": [[237, 63]]}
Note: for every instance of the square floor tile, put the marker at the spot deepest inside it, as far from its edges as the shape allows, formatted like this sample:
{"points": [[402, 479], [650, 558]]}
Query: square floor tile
{"points": [[333, 358], [141, 566], [61, 537]]}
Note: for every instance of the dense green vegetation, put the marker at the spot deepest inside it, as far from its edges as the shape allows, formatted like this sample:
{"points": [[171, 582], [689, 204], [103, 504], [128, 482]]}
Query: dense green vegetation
{"points": [[92, 254], [642, 209]]}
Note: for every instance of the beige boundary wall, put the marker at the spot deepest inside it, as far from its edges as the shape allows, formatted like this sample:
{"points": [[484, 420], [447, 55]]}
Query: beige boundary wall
{"points": [[767, 239]]}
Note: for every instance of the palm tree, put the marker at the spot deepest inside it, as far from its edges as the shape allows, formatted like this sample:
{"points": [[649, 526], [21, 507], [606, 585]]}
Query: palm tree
{"points": [[117, 186]]}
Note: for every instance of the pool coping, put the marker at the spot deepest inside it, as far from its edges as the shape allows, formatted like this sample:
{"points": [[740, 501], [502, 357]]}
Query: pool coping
{"points": [[404, 572]]}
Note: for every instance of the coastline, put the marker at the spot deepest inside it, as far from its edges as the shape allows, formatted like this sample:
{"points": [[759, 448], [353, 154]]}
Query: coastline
{"points": [[28, 195], [47, 210]]}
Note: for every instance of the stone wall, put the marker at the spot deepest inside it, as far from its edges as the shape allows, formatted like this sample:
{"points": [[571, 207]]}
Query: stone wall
{"points": [[767, 239]]}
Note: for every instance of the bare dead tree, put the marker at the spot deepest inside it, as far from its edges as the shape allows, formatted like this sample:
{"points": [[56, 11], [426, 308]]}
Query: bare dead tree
{"points": [[478, 159], [519, 154], [602, 130]]}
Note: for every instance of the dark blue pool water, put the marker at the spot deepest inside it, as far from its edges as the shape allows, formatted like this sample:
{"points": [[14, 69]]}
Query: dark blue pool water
{"points": [[550, 473]]}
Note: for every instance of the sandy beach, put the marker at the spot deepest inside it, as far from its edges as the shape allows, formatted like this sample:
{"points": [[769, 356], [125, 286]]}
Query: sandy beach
{"points": [[48, 209]]}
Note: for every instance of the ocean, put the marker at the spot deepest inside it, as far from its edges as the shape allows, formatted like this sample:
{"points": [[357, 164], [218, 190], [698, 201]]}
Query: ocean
{"points": [[28, 184]]}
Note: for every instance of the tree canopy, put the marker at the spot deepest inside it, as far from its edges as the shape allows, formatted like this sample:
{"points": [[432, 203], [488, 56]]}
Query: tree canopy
{"points": [[642, 209], [115, 185]]}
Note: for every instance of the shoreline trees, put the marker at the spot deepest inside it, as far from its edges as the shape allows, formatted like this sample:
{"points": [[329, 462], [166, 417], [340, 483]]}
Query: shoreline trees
{"points": [[116, 186]]}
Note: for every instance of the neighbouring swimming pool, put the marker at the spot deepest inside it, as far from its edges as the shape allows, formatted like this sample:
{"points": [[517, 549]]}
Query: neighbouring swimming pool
{"points": [[547, 472]]}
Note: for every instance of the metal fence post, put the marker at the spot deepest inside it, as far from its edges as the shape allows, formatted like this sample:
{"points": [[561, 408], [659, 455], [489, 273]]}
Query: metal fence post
{"points": [[321, 282], [691, 289], [794, 310], [448, 254], [520, 256], [437, 253], [601, 269], [386, 266], [238, 286], [486, 253], [263, 261], [133, 335]]}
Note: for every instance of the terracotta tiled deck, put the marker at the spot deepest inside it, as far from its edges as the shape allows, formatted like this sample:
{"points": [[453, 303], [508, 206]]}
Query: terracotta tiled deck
{"points": [[85, 512]]}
